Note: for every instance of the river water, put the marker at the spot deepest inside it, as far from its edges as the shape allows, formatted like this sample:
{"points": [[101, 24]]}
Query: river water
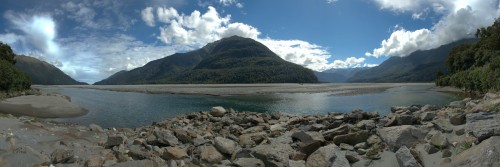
{"points": [[131, 109]]}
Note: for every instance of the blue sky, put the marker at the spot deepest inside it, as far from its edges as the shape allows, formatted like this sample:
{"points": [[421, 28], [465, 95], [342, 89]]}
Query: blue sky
{"points": [[90, 40]]}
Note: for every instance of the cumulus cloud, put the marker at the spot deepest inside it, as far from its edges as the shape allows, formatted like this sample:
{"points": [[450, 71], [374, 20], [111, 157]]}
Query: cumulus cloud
{"points": [[460, 20], [148, 17], [331, 1]]}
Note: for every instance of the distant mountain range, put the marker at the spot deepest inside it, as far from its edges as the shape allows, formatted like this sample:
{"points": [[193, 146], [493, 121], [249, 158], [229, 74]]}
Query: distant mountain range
{"points": [[229, 60], [43, 73], [419, 66], [338, 75]]}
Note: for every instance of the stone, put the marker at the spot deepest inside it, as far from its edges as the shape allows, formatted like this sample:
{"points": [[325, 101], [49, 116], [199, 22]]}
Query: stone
{"points": [[302, 136], [114, 141], [93, 161], [429, 107], [140, 163], [457, 104], [487, 153], [293, 163], [297, 156], [249, 162], [165, 137], [317, 127], [430, 149], [95, 128], [218, 111], [443, 125], [341, 130], [351, 157], [61, 156], [184, 136], [138, 152], [373, 139], [361, 151], [277, 127], [360, 145], [174, 153], [483, 125], [225, 146], [405, 158], [404, 135], [366, 124], [209, 154], [439, 140], [446, 153], [457, 119], [274, 155], [460, 131], [352, 138], [251, 139], [344, 146], [405, 119], [327, 156], [310, 146], [427, 116]]}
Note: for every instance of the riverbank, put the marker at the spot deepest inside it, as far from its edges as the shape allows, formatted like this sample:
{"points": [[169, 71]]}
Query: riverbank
{"points": [[248, 89], [464, 133], [41, 106]]}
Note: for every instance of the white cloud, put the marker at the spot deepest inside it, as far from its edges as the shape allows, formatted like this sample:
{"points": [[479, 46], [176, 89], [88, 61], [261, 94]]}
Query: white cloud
{"points": [[331, 1], [239, 5], [228, 2], [148, 17], [460, 20]]}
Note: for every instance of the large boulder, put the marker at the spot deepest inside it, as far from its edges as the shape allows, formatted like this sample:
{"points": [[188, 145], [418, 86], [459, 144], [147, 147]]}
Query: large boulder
{"points": [[174, 153], [405, 158], [210, 155], [224, 145], [166, 137], [327, 156], [114, 140], [218, 111], [483, 125], [352, 138], [274, 155], [457, 119], [404, 135], [61, 156], [485, 154], [439, 140]]}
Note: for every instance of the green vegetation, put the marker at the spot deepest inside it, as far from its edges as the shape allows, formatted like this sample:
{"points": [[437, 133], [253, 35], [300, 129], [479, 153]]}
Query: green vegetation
{"points": [[11, 78], [43, 73], [476, 66], [229, 60]]}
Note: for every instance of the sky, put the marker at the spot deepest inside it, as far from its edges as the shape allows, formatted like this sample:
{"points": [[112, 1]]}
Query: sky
{"points": [[91, 40]]}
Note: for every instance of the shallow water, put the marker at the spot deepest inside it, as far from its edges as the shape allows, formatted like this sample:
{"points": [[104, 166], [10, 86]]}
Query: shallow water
{"points": [[131, 109]]}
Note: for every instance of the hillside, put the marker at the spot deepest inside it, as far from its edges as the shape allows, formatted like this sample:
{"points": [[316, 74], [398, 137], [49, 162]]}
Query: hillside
{"points": [[229, 60], [11, 78], [338, 75], [43, 73], [419, 66]]}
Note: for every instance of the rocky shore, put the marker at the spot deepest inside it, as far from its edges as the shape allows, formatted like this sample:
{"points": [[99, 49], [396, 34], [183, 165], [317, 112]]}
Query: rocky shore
{"points": [[464, 133]]}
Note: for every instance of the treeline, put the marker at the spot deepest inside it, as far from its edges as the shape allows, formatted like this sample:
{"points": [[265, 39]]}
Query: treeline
{"points": [[11, 78], [476, 66]]}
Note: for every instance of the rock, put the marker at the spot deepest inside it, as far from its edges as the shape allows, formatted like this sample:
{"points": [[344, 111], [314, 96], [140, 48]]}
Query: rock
{"points": [[174, 153], [460, 132], [276, 127], [138, 152], [297, 156], [254, 119], [366, 124], [352, 138], [95, 128], [457, 119], [317, 127], [487, 153], [427, 116], [405, 158], [140, 163], [210, 155], [398, 136], [351, 157], [165, 137], [302, 136], [439, 140], [292, 163], [429, 107], [61, 156], [218, 111], [397, 108], [457, 104], [483, 125], [273, 155], [430, 149], [93, 161], [310, 146], [249, 162], [360, 145], [114, 141], [341, 130], [361, 151], [225, 146], [405, 119], [184, 136], [446, 153], [344, 146], [327, 156], [373, 139], [251, 139], [443, 125]]}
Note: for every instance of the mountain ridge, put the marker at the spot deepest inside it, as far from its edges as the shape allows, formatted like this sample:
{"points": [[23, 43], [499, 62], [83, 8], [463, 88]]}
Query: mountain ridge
{"points": [[43, 73]]}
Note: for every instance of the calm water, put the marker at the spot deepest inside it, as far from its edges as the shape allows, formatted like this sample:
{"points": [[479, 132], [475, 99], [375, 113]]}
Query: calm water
{"points": [[129, 109]]}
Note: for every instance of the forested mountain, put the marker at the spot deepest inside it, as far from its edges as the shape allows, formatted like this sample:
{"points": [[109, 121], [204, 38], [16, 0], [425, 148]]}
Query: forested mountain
{"points": [[338, 75], [43, 73], [419, 66], [475, 66], [229, 60], [11, 78]]}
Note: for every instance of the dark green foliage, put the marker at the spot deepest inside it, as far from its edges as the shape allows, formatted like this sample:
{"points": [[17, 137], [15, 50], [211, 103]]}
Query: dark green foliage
{"points": [[229, 60], [43, 73], [12, 79], [7, 54], [419, 66], [476, 67]]}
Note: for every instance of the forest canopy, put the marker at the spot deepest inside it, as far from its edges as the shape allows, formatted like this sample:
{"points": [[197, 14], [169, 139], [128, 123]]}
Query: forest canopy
{"points": [[11, 78]]}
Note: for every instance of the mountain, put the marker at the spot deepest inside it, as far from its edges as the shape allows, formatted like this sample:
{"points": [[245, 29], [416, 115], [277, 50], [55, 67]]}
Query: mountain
{"points": [[419, 66], [43, 73], [326, 77], [229, 60]]}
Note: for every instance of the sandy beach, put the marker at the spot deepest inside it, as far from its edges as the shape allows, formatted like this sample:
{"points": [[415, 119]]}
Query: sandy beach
{"points": [[42, 106]]}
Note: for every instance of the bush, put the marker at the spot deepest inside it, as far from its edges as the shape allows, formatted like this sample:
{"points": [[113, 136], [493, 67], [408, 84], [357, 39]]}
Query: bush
{"points": [[12, 79]]}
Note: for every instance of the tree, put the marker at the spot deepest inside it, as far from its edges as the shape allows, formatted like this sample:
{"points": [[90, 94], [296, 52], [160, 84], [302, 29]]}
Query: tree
{"points": [[6, 53]]}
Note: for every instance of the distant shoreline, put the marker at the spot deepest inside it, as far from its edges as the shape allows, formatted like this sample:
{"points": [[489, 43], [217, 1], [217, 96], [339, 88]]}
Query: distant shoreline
{"points": [[245, 89]]}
